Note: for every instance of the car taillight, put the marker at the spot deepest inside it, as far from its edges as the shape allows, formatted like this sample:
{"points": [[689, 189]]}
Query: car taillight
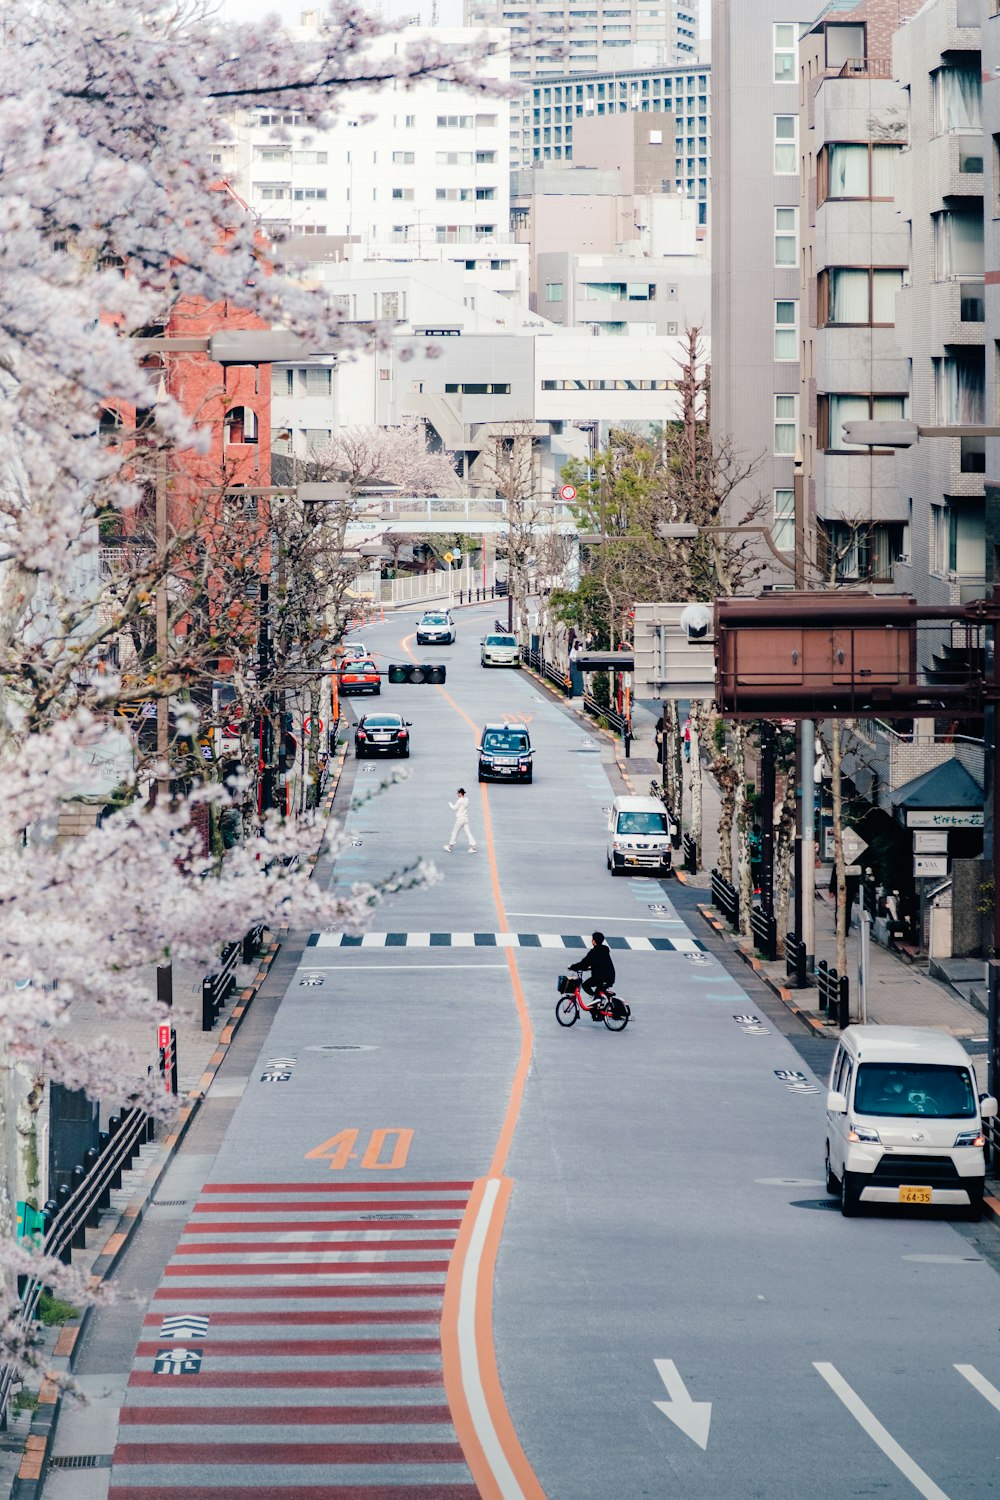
{"points": [[402, 734], [362, 735]]}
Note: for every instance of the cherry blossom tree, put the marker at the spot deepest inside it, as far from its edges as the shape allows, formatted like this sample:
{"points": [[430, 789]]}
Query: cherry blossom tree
{"points": [[371, 457], [112, 218]]}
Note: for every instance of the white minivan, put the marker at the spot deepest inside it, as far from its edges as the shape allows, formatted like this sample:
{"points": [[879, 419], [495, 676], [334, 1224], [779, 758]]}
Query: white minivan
{"points": [[904, 1120], [639, 830]]}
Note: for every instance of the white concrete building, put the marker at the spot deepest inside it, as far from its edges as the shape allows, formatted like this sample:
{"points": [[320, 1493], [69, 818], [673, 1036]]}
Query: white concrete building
{"points": [[594, 33], [402, 173]]}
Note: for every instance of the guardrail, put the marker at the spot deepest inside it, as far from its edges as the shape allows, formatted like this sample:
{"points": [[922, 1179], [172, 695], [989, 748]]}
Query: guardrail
{"points": [[216, 986], [834, 993], [603, 711], [764, 928], [66, 1218], [552, 673], [795, 960], [727, 898]]}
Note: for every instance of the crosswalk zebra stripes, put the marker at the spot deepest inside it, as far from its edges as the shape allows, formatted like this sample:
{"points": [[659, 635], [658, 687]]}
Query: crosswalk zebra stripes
{"points": [[501, 940], [295, 1341]]}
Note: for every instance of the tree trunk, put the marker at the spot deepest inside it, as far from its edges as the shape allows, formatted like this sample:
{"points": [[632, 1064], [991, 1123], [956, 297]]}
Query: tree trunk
{"points": [[698, 718], [670, 787], [784, 848], [724, 771], [744, 882]]}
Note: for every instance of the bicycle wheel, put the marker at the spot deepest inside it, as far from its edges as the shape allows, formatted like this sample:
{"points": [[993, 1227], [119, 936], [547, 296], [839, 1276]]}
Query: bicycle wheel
{"points": [[567, 1010], [616, 1015]]}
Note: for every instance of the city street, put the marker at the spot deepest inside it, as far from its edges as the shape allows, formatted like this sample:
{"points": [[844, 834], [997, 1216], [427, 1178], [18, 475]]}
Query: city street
{"points": [[424, 1242]]}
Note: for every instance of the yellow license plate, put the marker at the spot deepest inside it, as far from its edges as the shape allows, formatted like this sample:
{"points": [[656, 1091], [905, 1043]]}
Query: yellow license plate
{"points": [[914, 1195]]}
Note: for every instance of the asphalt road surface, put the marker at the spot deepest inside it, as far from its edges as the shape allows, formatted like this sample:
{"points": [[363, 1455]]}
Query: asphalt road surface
{"points": [[424, 1242]]}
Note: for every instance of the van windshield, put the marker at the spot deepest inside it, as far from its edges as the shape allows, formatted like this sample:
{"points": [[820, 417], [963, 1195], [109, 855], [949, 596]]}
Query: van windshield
{"points": [[934, 1093], [642, 822]]}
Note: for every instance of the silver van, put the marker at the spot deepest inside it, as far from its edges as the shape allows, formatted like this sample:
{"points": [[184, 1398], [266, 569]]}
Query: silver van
{"points": [[904, 1120], [639, 830]]}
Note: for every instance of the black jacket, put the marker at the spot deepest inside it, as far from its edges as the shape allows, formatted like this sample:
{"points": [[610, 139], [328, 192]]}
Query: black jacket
{"points": [[598, 961]]}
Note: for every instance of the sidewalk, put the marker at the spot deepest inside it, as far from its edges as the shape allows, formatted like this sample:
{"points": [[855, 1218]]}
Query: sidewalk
{"points": [[899, 994]]}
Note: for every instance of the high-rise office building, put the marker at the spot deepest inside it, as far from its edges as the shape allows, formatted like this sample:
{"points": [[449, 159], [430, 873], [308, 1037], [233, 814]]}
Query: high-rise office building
{"points": [[582, 36]]}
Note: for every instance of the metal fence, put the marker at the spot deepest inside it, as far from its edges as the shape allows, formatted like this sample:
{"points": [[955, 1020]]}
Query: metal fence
{"points": [[66, 1218], [727, 898], [834, 993], [216, 986], [765, 933], [552, 672], [614, 721], [795, 960]]}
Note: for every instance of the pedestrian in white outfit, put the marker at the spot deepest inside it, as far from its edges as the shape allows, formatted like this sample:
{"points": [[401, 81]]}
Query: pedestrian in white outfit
{"points": [[461, 811]]}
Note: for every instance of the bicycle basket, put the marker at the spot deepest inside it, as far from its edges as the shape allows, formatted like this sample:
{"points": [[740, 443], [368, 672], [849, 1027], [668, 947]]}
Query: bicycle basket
{"points": [[567, 984]]}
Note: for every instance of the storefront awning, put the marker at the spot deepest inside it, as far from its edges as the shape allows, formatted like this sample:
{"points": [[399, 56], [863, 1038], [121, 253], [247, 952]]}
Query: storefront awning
{"points": [[949, 796]]}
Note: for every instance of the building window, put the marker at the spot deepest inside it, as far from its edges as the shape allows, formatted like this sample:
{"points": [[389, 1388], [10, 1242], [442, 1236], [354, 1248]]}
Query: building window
{"points": [[476, 389], [453, 158], [403, 158], [317, 382], [455, 122], [786, 330], [856, 169], [786, 425], [833, 410], [786, 145], [485, 194], [785, 48], [272, 192], [851, 551], [858, 296], [958, 243], [960, 387], [783, 526], [553, 291], [486, 158], [958, 94], [309, 195], [486, 122], [406, 194], [786, 236], [454, 195]]}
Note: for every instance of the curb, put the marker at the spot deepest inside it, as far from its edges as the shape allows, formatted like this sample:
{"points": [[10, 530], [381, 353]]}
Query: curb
{"points": [[27, 1484], [786, 996]]}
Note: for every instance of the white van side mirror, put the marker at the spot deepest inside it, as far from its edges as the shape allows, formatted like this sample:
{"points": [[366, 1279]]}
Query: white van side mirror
{"points": [[836, 1103], [987, 1107], [611, 822]]}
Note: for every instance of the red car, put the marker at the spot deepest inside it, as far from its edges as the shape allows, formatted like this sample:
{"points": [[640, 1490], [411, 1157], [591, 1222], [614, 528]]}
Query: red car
{"points": [[359, 677]]}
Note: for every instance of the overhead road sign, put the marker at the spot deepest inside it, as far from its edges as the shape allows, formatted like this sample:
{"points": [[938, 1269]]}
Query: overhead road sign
{"points": [[674, 650]]}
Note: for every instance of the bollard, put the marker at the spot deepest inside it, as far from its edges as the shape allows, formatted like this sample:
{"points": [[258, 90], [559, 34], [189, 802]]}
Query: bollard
{"points": [[114, 1125], [104, 1201], [207, 1011], [89, 1163], [843, 1004], [79, 1240], [66, 1253], [823, 983]]}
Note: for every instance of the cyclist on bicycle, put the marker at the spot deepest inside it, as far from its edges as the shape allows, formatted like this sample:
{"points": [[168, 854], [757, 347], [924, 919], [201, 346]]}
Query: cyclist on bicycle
{"points": [[602, 970]]}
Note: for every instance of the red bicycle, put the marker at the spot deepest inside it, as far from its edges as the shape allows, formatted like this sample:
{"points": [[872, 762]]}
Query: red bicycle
{"points": [[605, 1005]]}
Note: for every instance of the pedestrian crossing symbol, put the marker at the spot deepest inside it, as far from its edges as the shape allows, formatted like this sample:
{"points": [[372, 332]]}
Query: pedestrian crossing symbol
{"points": [[181, 1361]]}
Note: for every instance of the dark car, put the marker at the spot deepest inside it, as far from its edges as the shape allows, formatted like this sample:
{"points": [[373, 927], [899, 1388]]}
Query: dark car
{"points": [[382, 734], [436, 628], [505, 753], [360, 676]]}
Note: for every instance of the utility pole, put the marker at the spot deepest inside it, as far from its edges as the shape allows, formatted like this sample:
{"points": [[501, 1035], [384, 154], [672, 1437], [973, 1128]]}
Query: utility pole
{"points": [[805, 837], [164, 972]]}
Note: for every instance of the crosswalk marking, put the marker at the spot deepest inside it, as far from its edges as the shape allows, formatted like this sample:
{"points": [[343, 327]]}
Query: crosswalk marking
{"points": [[429, 940]]}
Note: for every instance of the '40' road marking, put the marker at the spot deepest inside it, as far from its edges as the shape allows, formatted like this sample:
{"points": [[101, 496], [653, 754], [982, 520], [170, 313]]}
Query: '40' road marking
{"points": [[339, 1150]]}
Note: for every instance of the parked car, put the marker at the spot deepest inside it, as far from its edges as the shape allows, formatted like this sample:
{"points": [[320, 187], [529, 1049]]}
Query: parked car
{"points": [[382, 734], [351, 650], [499, 651], [436, 628], [505, 753], [360, 676]]}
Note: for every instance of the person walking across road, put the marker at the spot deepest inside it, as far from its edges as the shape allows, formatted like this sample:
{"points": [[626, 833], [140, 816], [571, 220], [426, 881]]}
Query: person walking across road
{"points": [[461, 811]]}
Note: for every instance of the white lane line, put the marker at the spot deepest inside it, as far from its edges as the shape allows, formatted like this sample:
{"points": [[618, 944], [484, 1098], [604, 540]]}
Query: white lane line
{"points": [[479, 1410], [980, 1383], [604, 919], [367, 968], [866, 1419]]}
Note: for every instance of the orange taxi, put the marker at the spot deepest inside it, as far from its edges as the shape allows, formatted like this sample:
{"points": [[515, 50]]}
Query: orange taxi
{"points": [[359, 676]]}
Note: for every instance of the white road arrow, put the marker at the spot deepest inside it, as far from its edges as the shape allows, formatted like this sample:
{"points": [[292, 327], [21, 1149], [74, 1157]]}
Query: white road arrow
{"points": [[692, 1417]]}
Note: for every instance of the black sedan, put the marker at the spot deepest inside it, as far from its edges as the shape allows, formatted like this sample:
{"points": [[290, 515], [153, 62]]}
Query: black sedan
{"points": [[382, 734]]}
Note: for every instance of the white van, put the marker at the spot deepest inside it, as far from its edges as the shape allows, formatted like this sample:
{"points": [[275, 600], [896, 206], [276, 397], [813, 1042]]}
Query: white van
{"points": [[904, 1120], [639, 830]]}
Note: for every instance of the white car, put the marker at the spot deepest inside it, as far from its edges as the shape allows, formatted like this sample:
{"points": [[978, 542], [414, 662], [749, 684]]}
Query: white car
{"points": [[436, 628], [499, 651], [351, 649]]}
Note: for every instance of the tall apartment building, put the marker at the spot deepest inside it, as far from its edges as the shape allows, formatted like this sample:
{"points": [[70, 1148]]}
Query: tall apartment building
{"points": [[402, 173], [542, 126], [943, 311], [579, 36], [855, 256], [755, 240]]}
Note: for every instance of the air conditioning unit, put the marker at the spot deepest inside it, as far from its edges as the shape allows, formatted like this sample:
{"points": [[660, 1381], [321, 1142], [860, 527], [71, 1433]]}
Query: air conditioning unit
{"points": [[671, 327]]}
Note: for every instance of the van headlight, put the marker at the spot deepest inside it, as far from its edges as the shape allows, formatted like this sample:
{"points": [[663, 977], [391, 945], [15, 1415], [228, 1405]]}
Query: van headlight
{"points": [[618, 844], [865, 1134], [970, 1138]]}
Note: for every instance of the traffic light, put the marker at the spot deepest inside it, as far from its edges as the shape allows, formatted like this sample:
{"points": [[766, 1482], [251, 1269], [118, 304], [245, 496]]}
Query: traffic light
{"points": [[416, 672]]}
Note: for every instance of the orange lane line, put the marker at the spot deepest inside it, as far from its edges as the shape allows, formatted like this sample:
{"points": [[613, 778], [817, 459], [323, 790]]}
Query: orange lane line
{"points": [[485, 1350]]}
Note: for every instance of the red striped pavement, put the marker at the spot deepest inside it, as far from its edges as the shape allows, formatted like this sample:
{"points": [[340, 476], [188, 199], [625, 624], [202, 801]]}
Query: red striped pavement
{"points": [[377, 1281]]}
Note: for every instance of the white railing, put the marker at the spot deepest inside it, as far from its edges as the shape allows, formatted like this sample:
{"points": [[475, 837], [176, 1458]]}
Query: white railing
{"points": [[441, 586]]}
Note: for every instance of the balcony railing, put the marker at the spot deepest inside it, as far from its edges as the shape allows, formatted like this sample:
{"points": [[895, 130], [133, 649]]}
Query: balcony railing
{"points": [[866, 67]]}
